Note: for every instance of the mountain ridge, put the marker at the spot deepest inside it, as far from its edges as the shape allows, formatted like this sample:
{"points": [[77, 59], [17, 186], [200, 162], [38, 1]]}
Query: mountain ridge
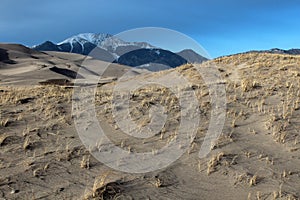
{"points": [[292, 51], [110, 48]]}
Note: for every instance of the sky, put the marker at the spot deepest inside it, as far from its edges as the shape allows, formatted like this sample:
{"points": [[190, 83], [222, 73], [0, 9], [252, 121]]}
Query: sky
{"points": [[221, 27]]}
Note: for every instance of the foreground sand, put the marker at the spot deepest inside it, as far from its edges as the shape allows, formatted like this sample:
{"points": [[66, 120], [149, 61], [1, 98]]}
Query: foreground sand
{"points": [[256, 156]]}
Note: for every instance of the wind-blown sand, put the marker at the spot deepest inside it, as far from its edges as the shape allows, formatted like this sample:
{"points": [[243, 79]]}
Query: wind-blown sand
{"points": [[256, 156]]}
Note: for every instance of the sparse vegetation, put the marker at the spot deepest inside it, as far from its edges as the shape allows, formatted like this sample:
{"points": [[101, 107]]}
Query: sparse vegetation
{"points": [[257, 150]]}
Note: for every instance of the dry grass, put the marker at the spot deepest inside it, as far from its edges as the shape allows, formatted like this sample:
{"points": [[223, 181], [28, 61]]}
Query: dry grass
{"points": [[85, 162], [254, 152]]}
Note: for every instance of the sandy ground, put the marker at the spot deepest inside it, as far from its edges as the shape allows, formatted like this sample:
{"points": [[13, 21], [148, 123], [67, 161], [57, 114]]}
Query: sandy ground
{"points": [[255, 157]]}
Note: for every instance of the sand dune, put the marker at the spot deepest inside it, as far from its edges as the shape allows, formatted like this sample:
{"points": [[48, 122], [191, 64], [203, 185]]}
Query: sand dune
{"points": [[23, 66], [255, 157]]}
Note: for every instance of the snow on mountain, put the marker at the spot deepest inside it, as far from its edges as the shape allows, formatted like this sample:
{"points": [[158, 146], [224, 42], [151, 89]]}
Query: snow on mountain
{"points": [[113, 43], [102, 40], [94, 38]]}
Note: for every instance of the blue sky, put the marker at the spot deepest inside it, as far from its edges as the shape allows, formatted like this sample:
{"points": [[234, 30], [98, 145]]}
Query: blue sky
{"points": [[221, 27]]}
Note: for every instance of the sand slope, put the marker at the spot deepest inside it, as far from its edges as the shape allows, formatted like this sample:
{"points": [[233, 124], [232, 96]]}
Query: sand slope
{"points": [[20, 65], [256, 156]]}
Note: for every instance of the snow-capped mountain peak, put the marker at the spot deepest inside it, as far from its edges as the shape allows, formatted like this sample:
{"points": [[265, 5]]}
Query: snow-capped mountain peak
{"points": [[102, 40], [94, 38]]}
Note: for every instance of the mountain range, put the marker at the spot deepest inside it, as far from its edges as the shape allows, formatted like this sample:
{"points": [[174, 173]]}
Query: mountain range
{"points": [[109, 48], [282, 51]]}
